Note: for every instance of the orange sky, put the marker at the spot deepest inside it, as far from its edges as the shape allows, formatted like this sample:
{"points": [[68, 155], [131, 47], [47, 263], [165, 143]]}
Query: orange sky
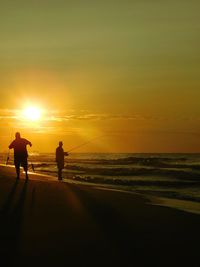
{"points": [[125, 71]]}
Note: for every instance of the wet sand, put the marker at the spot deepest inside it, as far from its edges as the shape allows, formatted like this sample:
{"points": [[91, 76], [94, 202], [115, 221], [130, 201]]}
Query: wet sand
{"points": [[44, 222]]}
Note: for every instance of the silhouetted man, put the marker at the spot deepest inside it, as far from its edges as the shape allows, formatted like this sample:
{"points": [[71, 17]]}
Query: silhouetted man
{"points": [[60, 154], [20, 153]]}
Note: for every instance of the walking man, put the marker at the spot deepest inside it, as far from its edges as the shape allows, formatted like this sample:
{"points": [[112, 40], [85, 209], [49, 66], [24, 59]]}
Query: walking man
{"points": [[20, 153], [60, 155]]}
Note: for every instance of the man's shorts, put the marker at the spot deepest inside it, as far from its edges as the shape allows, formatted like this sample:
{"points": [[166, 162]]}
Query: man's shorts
{"points": [[21, 161]]}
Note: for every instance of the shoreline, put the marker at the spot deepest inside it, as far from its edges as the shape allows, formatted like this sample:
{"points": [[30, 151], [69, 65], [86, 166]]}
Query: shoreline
{"points": [[179, 204], [59, 224], [174, 203]]}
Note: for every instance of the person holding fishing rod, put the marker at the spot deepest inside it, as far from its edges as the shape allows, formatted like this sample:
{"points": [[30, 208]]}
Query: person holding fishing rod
{"points": [[20, 153], [60, 155]]}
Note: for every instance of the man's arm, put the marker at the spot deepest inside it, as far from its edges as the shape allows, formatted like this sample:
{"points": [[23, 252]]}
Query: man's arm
{"points": [[11, 145], [28, 142]]}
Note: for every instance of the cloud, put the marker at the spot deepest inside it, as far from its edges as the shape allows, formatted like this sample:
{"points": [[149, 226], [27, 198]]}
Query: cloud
{"points": [[7, 114], [60, 116], [83, 115], [95, 117], [150, 132]]}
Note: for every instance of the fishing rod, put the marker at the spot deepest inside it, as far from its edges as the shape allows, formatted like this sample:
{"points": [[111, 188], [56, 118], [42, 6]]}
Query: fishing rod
{"points": [[8, 157], [8, 154], [83, 144]]}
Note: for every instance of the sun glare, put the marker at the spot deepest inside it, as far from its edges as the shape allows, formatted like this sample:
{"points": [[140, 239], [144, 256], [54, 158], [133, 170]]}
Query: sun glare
{"points": [[32, 113]]}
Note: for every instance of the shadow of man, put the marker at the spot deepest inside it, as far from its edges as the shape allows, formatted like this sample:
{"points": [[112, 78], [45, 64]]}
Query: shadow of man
{"points": [[11, 218]]}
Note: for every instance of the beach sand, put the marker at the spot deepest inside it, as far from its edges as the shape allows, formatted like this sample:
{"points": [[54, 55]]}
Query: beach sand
{"points": [[45, 222]]}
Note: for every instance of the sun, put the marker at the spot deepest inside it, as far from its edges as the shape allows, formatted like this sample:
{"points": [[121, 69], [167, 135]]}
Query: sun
{"points": [[32, 113]]}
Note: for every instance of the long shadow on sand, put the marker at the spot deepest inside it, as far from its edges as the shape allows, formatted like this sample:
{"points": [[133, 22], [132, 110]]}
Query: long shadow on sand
{"points": [[11, 218], [115, 243], [143, 235]]}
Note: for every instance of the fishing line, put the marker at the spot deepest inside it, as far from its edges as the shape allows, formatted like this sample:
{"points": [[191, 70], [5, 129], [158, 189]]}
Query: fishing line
{"points": [[84, 144]]}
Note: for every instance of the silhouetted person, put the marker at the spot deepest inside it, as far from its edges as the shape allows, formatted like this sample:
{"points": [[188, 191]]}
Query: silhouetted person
{"points": [[20, 153], [60, 154]]}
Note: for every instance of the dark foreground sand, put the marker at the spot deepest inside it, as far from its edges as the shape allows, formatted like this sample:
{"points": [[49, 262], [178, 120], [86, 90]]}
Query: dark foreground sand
{"points": [[44, 222]]}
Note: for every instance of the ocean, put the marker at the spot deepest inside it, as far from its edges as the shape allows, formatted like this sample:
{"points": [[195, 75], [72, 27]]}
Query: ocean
{"points": [[170, 176]]}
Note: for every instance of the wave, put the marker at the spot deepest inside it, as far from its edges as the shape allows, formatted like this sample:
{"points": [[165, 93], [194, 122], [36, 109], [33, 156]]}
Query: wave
{"points": [[184, 174], [131, 181], [136, 182], [137, 172], [182, 190], [131, 160], [173, 176], [161, 162]]}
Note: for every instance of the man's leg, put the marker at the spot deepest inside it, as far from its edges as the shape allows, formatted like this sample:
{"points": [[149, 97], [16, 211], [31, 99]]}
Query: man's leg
{"points": [[59, 174], [25, 165], [17, 168]]}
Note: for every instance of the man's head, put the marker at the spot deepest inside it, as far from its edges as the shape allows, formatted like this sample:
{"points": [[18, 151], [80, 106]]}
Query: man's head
{"points": [[17, 135], [60, 143]]}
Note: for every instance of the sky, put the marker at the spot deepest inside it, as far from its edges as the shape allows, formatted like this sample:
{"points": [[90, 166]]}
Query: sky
{"points": [[126, 72]]}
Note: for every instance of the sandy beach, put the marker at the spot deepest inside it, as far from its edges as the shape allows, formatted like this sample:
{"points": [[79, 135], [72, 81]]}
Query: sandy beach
{"points": [[49, 223]]}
